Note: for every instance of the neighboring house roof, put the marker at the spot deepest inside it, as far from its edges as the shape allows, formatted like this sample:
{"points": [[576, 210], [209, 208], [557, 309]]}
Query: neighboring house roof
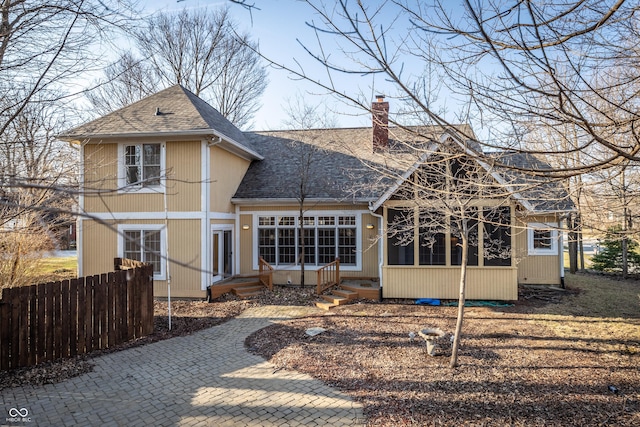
{"points": [[172, 111]]}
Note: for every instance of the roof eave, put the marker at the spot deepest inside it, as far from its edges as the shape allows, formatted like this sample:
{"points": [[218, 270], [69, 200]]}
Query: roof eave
{"points": [[229, 143], [550, 211], [296, 202]]}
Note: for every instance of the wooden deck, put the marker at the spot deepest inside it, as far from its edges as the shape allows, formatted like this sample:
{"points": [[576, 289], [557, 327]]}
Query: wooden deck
{"points": [[366, 288]]}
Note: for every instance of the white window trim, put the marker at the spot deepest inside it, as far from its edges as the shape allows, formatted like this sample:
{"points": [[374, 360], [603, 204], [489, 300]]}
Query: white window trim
{"points": [[148, 227], [296, 267], [553, 249], [123, 187]]}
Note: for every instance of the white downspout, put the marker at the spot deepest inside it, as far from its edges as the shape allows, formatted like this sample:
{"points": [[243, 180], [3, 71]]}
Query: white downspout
{"points": [[236, 238], [380, 247], [166, 236], [211, 143], [205, 227], [561, 252], [79, 220]]}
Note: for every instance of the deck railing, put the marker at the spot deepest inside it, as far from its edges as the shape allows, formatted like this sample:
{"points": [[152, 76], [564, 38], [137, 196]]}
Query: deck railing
{"points": [[265, 274], [328, 276]]}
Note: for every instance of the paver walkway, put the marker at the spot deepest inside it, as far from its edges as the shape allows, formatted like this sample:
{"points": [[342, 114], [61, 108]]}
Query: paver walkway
{"points": [[204, 379]]}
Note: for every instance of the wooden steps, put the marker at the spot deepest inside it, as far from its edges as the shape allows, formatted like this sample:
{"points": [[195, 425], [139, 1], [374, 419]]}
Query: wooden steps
{"points": [[247, 290], [346, 293], [242, 287]]}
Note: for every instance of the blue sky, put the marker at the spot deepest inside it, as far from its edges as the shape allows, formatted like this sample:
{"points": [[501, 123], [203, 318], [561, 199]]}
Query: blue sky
{"points": [[276, 26]]}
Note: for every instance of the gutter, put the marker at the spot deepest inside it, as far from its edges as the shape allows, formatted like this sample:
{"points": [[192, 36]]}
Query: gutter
{"points": [[291, 201]]}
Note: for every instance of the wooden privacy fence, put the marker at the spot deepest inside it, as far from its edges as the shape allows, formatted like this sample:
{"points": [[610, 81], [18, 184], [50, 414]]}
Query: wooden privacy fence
{"points": [[63, 319]]}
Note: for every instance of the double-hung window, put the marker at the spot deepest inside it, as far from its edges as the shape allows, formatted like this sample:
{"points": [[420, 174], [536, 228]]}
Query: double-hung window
{"points": [[141, 165], [145, 244]]}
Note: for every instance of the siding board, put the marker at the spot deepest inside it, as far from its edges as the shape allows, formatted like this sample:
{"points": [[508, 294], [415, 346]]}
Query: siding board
{"points": [[432, 282]]}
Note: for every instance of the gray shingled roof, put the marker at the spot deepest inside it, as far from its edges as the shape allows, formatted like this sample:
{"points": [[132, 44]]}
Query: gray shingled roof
{"points": [[336, 170], [339, 170], [538, 193], [180, 111], [345, 168]]}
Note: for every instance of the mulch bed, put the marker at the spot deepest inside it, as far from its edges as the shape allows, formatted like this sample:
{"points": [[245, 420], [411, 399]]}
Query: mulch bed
{"points": [[512, 370]]}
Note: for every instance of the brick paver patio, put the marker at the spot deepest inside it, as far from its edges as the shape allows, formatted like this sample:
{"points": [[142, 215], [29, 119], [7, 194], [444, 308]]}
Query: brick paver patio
{"points": [[205, 379]]}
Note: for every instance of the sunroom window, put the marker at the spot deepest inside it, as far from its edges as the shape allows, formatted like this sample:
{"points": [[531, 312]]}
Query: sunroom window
{"points": [[325, 238], [497, 237], [432, 249], [400, 241]]}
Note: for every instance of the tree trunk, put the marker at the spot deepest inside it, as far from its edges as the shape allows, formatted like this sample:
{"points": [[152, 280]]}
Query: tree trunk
{"points": [[463, 283], [302, 245], [573, 247], [625, 256]]}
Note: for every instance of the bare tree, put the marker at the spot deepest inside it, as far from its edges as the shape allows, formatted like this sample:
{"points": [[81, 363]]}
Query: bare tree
{"points": [[126, 81], [37, 183], [45, 45], [200, 49], [305, 154], [511, 65]]}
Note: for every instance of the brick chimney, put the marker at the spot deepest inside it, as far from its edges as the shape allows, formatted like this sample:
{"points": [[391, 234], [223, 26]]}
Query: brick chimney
{"points": [[380, 110]]}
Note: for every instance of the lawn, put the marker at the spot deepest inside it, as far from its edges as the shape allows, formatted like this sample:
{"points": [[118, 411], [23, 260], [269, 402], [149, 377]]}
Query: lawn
{"points": [[56, 268], [573, 362]]}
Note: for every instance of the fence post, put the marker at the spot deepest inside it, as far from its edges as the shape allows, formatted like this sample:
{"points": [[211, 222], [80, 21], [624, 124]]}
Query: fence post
{"points": [[5, 329], [74, 318]]}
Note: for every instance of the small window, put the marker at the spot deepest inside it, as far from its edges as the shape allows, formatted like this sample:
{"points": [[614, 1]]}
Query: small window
{"points": [[266, 220], [142, 164], [542, 239]]}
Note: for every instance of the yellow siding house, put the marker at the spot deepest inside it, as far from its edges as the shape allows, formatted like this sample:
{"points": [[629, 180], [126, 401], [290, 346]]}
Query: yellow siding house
{"points": [[169, 181]]}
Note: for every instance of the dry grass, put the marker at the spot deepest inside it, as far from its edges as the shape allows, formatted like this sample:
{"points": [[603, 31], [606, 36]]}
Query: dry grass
{"points": [[55, 268]]}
